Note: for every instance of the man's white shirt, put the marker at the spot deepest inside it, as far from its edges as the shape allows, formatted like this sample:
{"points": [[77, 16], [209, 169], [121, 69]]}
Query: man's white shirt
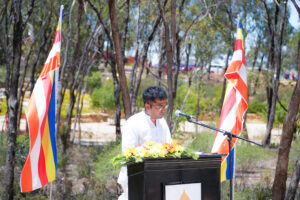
{"points": [[137, 130]]}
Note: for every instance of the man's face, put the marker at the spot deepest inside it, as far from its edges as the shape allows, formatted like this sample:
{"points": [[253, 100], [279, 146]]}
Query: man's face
{"points": [[156, 109]]}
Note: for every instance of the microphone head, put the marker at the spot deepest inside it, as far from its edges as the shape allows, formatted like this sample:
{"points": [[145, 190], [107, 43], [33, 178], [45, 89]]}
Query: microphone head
{"points": [[177, 113]]}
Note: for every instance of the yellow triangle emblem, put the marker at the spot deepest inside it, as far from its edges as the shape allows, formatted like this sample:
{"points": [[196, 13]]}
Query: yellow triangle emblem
{"points": [[184, 196]]}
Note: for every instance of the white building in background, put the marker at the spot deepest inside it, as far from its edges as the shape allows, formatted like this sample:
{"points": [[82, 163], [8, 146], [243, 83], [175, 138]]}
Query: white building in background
{"points": [[217, 68]]}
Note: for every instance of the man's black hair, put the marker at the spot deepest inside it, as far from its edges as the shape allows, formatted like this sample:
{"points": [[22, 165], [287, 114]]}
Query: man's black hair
{"points": [[154, 92]]}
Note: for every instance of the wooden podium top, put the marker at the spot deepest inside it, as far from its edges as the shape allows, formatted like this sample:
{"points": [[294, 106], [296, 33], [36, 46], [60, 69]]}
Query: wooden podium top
{"points": [[206, 160]]}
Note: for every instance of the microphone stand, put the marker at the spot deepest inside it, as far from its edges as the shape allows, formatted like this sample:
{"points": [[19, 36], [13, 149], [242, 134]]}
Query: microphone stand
{"points": [[229, 139]]}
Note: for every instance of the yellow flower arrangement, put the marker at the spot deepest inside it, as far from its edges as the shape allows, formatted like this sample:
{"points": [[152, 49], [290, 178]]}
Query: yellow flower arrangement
{"points": [[153, 150]]}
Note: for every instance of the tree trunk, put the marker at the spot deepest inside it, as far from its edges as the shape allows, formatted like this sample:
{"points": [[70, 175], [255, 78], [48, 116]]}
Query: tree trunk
{"points": [[258, 75], [73, 76], [61, 79], [117, 90], [279, 185], [143, 61], [12, 97], [291, 193], [253, 65], [161, 55], [277, 63], [188, 51], [224, 83], [135, 65], [119, 58], [170, 65], [271, 58]]}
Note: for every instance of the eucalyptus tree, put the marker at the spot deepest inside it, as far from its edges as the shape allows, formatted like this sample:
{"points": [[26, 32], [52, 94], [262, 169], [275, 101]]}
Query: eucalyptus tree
{"points": [[25, 32], [276, 29], [101, 15], [223, 23], [119, 54], [79, 34], [13, 33], [288, 129], [177, 21]]}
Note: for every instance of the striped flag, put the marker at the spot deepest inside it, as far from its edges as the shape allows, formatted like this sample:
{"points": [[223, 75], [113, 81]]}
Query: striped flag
{"points": [[234, 106], [41, 163]]}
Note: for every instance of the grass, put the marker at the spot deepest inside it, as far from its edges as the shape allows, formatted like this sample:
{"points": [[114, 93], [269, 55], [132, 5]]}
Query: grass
{"points": [[202, 142], [102, 165]]}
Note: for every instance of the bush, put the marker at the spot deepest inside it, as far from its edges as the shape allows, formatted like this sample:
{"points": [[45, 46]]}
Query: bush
{"points": [[22, 149], [94, 81], [257, 107], [104, 97], [208, 101]]}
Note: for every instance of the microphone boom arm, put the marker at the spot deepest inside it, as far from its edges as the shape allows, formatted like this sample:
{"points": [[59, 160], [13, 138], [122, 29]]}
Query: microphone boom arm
{"points": [[225, 133]]}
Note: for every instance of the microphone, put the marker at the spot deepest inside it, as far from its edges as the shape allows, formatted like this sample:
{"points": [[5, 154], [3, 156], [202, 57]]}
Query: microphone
{"points": [[178, 113]]}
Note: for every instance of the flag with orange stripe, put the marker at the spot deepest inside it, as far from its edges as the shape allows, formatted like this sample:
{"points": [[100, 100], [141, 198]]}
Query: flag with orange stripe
{"points": [[234, 106], [41, 163]]}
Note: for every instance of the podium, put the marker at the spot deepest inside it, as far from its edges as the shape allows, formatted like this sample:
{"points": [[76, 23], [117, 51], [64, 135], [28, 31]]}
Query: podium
{"points": [[158, 179]]}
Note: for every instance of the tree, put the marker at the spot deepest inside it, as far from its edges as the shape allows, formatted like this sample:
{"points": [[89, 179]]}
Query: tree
{"points": [[279, 185], [13, 61], [278, 38], [174, 27], [119, 58], [110, 58]]}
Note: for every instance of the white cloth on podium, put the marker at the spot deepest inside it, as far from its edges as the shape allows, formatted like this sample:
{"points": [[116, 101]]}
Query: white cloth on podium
{"points": [[140, 129]]}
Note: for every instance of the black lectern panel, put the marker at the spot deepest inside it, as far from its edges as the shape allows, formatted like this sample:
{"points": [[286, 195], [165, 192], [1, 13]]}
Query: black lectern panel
{"points": [[146, 181]]}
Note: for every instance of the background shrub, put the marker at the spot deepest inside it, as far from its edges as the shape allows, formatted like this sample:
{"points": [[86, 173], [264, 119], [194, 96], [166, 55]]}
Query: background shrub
{"points": [[104, 97], [94, 80]]}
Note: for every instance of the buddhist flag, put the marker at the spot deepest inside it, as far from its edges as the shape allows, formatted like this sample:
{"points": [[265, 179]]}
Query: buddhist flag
{"points": [[41, 163], [234, 106]]}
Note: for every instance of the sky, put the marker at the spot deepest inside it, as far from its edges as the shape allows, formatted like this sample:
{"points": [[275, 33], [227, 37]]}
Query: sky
{"points": [[294, 18]]}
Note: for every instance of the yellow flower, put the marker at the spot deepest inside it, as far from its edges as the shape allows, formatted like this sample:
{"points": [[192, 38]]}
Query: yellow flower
{"points": [[145, 152], [178, 148], [162, 154], [149, 143], [174, 142]]}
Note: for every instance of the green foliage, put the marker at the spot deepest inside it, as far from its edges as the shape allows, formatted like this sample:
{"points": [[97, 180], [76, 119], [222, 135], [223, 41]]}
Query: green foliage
{"points": [[2, 73], [94, 80], [66, 102], [261, 191], [104, 97], [257, 107], [22, 149], [3, 107], [102, 165], [208, 101], [203, 142], [64, 136], [3, 147], [247, 155]]}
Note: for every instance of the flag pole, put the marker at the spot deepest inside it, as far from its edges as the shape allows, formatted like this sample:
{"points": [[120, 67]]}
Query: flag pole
{"points": [[229, 142], [229, 138], [51, 191]]}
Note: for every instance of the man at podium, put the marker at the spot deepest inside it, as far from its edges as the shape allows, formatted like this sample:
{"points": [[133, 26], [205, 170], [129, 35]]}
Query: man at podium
{"points": [[145, 126]]}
